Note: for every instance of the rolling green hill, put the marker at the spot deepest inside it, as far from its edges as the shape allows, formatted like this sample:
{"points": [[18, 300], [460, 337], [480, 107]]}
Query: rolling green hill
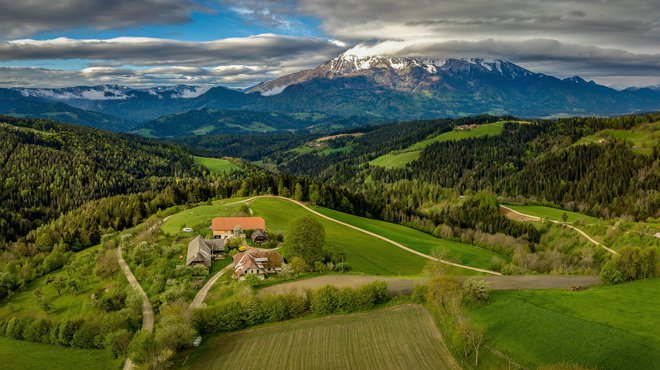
{"points": [[398, 159], [364, 253], [642, 138], [465, 254]]}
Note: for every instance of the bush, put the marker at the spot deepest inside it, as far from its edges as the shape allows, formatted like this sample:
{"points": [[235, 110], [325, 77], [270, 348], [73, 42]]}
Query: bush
{"points": [[15, 328], [38, 331], [117, 342], [323, 300], [419, 293], [610, 273], [343, 267], [140, 347], [477, 290]]}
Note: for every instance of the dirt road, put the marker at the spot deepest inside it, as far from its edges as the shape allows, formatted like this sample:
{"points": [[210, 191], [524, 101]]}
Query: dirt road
{"points": [[406, 285], [147, 311], [199, 298], [518, 216]]}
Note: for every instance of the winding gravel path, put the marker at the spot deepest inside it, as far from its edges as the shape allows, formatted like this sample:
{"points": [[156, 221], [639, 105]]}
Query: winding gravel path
{"points": [[580, 231]]}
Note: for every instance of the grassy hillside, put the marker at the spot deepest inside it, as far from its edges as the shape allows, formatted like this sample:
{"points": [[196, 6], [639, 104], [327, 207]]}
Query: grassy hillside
{"points": [[363, 252], [200, 216], [217, 165], [395, 159], [401, 337], [21, 355], [462, 253], [489, 129], [399, 159], [67, 305], [615, 327], [552, 213], [642, 138]]}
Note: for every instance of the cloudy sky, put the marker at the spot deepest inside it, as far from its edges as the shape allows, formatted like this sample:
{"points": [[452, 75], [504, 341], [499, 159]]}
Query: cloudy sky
{"points": [[54, 43]]}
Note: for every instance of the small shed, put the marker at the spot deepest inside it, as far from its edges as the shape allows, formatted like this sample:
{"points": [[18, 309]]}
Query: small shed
{"points": [[259, 236]]}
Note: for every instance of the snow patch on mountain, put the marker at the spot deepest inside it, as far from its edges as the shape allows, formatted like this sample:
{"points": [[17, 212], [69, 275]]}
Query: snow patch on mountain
{"points": [[274, 91]]}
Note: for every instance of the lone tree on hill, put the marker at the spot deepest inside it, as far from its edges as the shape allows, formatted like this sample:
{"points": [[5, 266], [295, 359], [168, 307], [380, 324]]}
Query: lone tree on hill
{"points": [[305, 238]]}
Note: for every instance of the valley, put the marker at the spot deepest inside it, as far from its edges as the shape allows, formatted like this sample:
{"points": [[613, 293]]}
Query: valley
{"points": [[402, 253]]}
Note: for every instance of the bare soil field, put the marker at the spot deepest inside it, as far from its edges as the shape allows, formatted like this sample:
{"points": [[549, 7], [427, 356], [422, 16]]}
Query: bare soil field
{"points": [[406, 285]]}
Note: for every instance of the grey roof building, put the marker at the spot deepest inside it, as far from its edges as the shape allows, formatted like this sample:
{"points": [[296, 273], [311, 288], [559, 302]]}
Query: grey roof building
{"points": [[202, 251]]}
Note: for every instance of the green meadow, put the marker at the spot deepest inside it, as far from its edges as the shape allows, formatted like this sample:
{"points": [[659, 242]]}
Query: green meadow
{"points": [[462, 253], [552, 213], [217, 165], [199, 218], [612, 327], [20, 355], [363, 252], [642, 138]]}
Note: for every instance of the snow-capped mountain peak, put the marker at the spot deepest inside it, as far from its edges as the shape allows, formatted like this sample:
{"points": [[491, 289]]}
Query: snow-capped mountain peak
{"points": [[400, 73]]}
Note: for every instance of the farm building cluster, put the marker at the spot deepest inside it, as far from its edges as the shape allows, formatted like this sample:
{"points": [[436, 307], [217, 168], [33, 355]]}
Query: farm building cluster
{"points": [[250, 261]]}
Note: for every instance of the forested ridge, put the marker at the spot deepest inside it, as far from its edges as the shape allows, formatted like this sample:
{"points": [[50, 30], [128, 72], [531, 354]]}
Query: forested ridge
{"points": [[536, 161], [50, 168]]}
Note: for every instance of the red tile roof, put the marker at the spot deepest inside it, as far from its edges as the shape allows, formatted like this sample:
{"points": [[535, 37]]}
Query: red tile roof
{"points": [[229, 223]]}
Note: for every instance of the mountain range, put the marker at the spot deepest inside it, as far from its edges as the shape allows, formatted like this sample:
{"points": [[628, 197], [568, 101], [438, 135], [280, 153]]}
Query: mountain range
{"points": [[379, 88]]}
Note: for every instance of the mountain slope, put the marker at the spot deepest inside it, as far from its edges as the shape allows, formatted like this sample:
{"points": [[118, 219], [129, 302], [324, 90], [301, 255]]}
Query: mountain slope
{"points": [[15, 104], [416, 87], [141, 105], [50, 168]]}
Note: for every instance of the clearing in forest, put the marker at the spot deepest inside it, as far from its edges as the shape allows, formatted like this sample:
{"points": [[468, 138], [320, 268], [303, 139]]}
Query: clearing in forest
{"points": [[399, 159], [217, 165]]}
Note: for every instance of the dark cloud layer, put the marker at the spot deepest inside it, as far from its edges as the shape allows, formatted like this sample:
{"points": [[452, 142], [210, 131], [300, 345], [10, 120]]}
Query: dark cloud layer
{"points": [[25, 17], [611, 41], [258, 49]]}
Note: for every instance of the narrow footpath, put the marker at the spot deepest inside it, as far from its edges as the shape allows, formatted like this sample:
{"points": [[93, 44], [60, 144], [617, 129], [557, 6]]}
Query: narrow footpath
{"points": [[147, 310]]}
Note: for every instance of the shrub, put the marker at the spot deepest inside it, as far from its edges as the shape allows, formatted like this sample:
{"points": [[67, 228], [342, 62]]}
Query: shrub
{"points": [[323, 300], [224, 317], [85, 335], [381, 291], [67, 330], [140, 347], [419, 293], [15, 328], [477, 290], [38, 331], [117, 342], [343, 267], [610, 273]]}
